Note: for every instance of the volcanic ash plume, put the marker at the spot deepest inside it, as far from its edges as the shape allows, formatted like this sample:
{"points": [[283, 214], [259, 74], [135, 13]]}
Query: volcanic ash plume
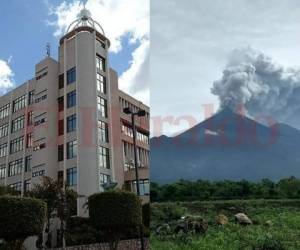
{"points": [[264, 88]]}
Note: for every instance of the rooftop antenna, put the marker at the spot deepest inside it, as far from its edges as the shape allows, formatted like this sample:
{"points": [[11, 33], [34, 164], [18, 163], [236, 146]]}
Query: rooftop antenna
{"points": [[48, 50]]}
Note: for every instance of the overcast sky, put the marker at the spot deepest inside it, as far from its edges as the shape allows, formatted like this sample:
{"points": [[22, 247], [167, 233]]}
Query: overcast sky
{"points": [[191, 41]]}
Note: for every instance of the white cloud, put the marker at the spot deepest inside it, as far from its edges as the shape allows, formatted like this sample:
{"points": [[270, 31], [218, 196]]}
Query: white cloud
{"points": [[6, 77], [119, 19]]}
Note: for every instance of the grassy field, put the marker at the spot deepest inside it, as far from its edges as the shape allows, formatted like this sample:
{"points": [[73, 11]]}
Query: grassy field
{"points": [[282, 234]]}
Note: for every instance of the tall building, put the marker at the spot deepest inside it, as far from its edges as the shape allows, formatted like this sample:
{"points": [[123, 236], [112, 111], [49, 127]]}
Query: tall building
{"points": [[68, 122]]}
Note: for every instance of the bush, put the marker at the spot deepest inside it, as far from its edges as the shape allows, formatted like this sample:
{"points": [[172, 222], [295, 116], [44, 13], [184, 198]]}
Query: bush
{"points": [[20, 218], [80, 232], [115, 212]]}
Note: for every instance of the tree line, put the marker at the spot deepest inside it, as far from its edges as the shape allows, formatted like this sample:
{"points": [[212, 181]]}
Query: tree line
{"points": [[184, 190]]}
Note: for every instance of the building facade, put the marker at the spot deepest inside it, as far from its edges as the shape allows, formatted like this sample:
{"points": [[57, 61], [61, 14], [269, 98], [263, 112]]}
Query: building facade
{"points": [[68, 122]]}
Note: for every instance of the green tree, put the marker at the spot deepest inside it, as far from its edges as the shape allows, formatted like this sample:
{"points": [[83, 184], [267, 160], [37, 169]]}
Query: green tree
{"points": [[63, 203], [114, 213], [20, 218]]}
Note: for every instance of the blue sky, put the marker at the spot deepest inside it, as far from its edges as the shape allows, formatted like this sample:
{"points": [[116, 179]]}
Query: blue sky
{"points": [[26, 31]]}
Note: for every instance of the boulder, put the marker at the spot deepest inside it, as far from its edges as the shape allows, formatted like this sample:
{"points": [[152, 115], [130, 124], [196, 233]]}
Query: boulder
{"points": [[222, 219], [242, 219]]}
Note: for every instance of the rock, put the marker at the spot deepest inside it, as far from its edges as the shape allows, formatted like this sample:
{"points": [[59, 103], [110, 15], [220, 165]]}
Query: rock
{"points": [[163, 229], [222, 219], [269, 223], [242, 219], [199, 227]]}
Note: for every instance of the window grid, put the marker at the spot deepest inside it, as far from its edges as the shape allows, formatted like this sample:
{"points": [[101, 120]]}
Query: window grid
{"points": [[4, 130], [3, 149], [72, 149], [28, 163], [72, 176], [102, 106], [15, 167], [2, 171], [104, 157], [71, 99], [17, 124], [102, 131], [16, 145], [71, 75], [71, 123], [101, 83], [19, 103], [4, 111], [100, 63]]}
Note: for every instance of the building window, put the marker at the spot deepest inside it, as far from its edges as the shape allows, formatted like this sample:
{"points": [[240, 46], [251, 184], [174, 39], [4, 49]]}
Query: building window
{"points": [[4, 111], [41, 98], [17, 124], [31, 97], [100, 63], [40, 119], [30, 118], [72, 149], [104, 158], [15, 167], [19, 103], [102, 131], [72, 176], [101, 83], [2, 171], [28, 163], [60, 101], [3, 149], [71, 75], [71, 99], [144, 187], [16, 186], [61, 81], [60, 152], [38, 173], [104, 178], [41, 76], [16, 145], [39, 146], [102, 106], [71, 123], [27, 185], [60, 127], [4, 130], [29, 140]]}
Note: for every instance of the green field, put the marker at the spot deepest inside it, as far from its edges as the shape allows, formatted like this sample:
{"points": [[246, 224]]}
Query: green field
{"points": [[283, 233]]}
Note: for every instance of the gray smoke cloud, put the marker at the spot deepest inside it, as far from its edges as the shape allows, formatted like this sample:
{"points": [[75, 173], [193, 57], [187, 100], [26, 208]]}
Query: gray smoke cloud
{"points": [[254, 80]]}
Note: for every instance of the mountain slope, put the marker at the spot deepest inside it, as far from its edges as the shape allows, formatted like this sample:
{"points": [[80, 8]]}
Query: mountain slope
{"points": [[227, 146]]}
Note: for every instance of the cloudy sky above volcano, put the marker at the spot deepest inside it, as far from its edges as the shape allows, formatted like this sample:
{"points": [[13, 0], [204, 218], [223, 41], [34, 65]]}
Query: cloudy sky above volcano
{"points": [[192, 43]]}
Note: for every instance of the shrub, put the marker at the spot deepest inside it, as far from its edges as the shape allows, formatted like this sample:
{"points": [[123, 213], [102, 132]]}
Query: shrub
{"points": [[20, 218], [115, 212], [80, 232], [268, 242]]}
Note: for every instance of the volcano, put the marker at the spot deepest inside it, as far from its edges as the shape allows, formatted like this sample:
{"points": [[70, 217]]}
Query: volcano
{"points": [[228, 146]]}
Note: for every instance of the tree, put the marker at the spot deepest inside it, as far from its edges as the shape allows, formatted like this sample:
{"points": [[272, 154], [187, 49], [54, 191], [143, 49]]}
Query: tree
{"points": [[61, 202], [114, 213], [20, 218]]}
